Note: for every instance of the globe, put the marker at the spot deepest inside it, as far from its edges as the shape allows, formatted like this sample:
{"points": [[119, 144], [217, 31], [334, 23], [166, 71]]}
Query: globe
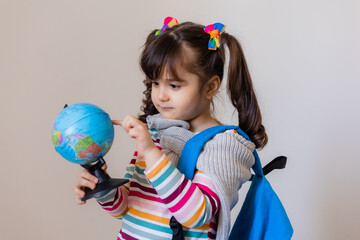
{"points": [[82, 133]]}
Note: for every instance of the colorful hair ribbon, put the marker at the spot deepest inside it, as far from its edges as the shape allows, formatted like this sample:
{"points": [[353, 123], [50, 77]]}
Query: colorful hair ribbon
{"points": [[169, 22], [214, 30]]}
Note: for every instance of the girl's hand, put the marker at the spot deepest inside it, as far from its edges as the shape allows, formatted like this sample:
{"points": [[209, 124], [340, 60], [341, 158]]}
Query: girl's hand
{"points": [[138, 130], [85, 180], [145, 146]]}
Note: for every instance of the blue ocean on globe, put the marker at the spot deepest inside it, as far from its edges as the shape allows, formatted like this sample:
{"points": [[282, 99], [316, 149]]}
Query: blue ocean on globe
{"points": [[82, 133]]}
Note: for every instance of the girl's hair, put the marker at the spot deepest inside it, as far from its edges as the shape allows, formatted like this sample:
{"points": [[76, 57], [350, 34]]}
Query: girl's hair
{"points": [[165, 50]]}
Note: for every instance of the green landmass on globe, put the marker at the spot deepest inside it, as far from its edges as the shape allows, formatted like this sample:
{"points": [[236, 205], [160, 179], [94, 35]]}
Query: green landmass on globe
{"points": [[88, 148], [57, 137]]}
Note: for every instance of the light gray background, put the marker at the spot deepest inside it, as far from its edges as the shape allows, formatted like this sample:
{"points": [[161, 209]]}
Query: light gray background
{"points": [[304, 59]]}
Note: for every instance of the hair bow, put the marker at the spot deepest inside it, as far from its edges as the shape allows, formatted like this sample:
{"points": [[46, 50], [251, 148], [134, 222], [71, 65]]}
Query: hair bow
{"points": [[169, 22], [214, 30]]}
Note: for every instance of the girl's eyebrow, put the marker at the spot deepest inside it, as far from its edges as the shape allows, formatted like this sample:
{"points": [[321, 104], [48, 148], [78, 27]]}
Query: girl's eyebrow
{"points": [[176, 80]]}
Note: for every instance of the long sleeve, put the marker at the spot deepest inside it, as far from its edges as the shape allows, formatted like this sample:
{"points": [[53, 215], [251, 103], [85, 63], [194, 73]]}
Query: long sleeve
{"points": [[115, 201], [193, 203]]}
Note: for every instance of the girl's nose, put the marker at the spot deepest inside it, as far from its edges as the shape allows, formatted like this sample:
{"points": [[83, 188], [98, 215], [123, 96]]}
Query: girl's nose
{"points": [[163, 96]]}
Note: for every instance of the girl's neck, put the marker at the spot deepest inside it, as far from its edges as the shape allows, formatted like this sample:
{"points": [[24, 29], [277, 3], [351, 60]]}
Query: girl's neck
{"points": [[202, 122]]}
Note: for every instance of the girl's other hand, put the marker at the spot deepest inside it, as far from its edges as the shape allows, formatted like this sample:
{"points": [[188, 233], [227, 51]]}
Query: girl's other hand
{"points": [[85, 180]]}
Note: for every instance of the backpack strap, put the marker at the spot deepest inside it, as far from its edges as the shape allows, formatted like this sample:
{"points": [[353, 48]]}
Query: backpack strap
{"points": [[194, 146]]}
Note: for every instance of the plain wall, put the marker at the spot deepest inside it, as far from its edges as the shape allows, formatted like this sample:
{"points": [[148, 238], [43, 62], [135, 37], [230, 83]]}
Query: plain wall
{"points": [[304, 59]]}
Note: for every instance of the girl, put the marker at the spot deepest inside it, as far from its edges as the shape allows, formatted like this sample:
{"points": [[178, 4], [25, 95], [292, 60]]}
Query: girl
{"points": [[184, 66]]}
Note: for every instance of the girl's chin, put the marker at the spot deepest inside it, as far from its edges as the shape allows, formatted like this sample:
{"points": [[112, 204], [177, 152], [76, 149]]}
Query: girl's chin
{"points": [[170, 116]]}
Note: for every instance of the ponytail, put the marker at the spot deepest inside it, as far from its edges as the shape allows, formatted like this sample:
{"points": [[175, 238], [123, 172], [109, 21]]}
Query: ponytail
{"points": [[241, 92]]}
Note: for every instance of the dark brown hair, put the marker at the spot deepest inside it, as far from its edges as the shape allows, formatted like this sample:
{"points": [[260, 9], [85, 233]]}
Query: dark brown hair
{"points": [[165, 50]]}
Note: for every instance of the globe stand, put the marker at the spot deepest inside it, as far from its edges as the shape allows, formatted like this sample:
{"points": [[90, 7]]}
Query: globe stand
{"points": [[105, 183]]}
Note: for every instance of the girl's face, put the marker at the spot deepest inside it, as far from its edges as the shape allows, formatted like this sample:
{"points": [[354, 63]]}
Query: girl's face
{"points": [[181, 98]]}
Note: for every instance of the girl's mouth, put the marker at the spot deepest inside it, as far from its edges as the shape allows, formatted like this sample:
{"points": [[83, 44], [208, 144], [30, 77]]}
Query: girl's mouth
{"points": [[165, 108]]}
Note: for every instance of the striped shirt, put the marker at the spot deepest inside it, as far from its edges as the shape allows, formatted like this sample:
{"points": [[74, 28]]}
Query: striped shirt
{"points": [[152, 197]]}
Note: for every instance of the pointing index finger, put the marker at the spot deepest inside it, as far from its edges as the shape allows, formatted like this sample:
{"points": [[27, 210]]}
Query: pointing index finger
{"points": [[117, 122]]}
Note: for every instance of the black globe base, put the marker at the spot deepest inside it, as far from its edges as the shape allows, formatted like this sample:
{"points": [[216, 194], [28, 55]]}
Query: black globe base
{"points": [[103, 188], [105, 183]]}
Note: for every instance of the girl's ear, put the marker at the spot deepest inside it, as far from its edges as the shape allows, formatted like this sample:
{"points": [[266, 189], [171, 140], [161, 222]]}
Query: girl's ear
{"points": [[212, 86]]}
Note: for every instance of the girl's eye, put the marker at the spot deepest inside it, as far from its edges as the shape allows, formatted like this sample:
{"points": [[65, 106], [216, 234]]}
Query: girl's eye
{"points": [[174, 86], [155, 83]]}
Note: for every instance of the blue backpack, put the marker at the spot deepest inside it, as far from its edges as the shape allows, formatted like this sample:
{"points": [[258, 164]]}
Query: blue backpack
{"points": [[262, 215]]}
